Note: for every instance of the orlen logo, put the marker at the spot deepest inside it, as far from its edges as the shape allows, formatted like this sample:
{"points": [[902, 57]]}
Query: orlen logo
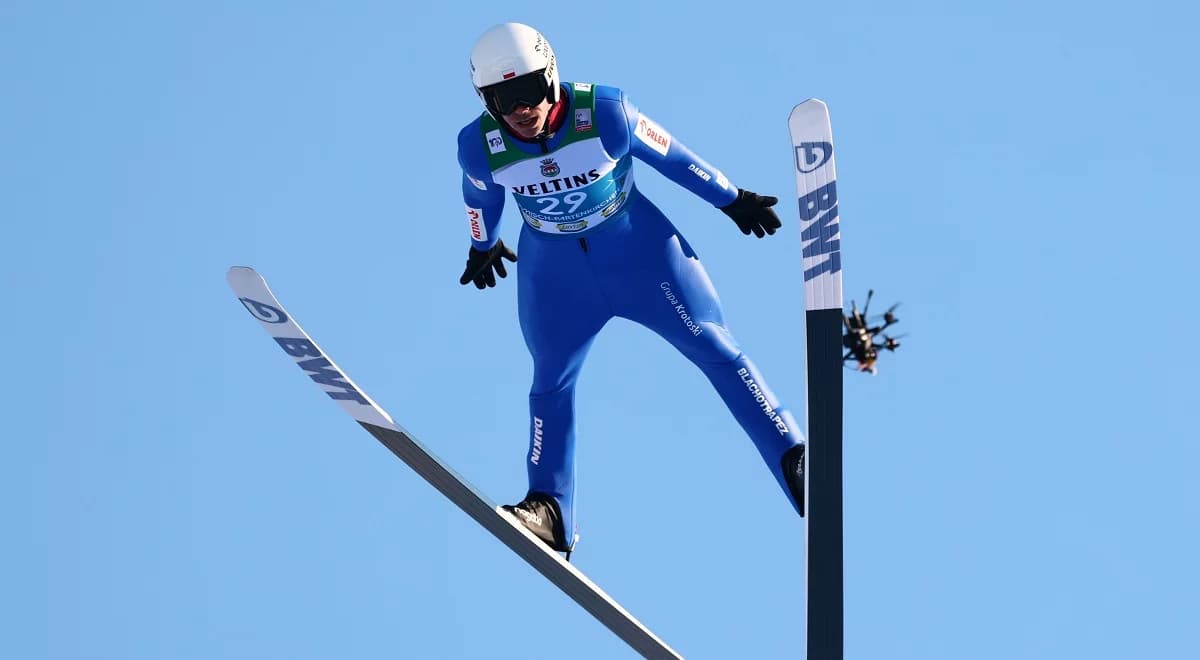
{"points": [[653, 135], [478, 231], [264, 312], [812, 155]]}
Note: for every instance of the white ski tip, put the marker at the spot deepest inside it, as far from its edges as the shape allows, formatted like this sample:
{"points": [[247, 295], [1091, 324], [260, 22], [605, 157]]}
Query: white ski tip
{"points": [[811, 116], [816, 192], [242, 274], [809, 107], [254, 294]]}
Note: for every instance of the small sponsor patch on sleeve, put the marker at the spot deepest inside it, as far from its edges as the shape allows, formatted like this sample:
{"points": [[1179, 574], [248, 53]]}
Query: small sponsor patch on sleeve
{"points": [[477, 183], [583, 119], [722, 181], [652, 134], [583, 87], [495, 141], [475, 218]]}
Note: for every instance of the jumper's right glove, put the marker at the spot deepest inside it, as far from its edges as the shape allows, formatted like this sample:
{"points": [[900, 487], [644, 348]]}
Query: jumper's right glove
{"points": [[480, 265], [753, 213]]}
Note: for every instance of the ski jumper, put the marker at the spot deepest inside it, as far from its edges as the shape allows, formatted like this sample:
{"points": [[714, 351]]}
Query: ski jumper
{"points": [[593, 248]]}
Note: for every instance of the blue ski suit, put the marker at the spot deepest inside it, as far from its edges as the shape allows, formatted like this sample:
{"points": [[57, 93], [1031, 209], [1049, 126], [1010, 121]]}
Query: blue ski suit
{"points": [[591, 248]]}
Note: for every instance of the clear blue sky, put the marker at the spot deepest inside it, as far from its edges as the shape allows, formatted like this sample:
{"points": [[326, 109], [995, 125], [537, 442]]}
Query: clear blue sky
{"points": [[1020, 479]]}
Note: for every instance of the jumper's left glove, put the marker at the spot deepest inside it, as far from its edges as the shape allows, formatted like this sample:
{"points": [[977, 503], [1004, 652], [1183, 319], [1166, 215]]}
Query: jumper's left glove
{"points": [[753, 213], [480, 265]]}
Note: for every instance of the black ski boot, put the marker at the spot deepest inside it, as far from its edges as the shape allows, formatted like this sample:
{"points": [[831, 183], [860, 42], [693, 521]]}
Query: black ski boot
{"points": [[540, 514], [793, 474]]}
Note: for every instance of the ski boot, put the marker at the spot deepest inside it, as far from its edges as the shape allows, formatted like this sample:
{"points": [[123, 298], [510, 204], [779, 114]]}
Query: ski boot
{"points": [[540, 514], [793, 474]]}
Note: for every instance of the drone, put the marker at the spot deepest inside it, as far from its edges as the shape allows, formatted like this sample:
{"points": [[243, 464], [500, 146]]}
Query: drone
{"points": [[859, 339]]}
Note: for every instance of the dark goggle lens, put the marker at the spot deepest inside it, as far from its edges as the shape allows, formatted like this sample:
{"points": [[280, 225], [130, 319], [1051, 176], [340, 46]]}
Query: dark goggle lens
{"points": [[529, 89]]}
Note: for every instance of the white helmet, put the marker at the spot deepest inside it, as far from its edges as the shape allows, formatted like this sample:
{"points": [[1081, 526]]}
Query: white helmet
{"points": [[512, 64]]}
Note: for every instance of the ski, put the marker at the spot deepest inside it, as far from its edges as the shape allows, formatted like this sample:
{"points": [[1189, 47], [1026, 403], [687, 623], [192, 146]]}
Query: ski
{"points": [[254, 294], [821, 260]]}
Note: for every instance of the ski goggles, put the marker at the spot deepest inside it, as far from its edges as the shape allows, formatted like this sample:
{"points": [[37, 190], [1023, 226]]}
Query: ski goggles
{"points": [[504, 97]]}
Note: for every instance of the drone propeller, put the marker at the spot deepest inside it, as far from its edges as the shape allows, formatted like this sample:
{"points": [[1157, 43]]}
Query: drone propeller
{"points": [[888, 316], [891, 343]]}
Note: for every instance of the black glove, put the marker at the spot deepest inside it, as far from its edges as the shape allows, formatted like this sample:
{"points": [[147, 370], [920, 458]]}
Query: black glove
{"points": [[753, 213], [480, 265]]}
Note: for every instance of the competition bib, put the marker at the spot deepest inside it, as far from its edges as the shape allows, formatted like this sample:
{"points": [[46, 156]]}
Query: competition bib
{"points": [[575, 187]]}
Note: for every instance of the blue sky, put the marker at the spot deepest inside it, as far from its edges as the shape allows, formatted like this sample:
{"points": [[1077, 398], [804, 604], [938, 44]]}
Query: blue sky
{"points": [[1019, 478]]}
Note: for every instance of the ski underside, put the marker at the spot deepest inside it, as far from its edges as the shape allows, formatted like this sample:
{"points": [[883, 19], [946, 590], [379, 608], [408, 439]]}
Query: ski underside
{"points": [[256, 296]]}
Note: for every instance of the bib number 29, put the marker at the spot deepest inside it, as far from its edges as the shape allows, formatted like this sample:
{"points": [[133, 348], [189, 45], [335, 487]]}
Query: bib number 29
{"points": [[572, 199]]}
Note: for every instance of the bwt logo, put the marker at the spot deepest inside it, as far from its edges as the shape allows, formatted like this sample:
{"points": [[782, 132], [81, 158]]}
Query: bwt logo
{"points": [[812, 155], [264, 312], [320, 369], [819, 224]]}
